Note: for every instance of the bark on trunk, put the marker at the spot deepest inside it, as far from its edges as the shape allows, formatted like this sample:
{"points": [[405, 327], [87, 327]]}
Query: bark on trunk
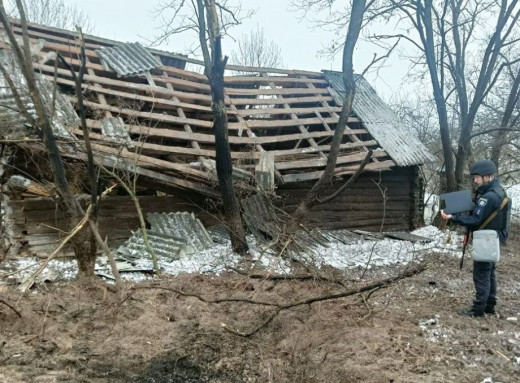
{"points": [[311, 199], [84, 245], [223, 153]]}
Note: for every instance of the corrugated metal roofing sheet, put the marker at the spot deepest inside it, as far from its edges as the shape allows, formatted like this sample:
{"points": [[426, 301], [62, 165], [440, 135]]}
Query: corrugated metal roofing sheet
{"points": [[170, 236], [182, 225], [114, 128], [382, 123], [128, 59]]}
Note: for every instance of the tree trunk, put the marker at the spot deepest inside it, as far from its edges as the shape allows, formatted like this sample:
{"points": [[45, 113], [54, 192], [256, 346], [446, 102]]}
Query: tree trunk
{"points": [[501, 136], [85, 250], [311, 199], [223, 152]]}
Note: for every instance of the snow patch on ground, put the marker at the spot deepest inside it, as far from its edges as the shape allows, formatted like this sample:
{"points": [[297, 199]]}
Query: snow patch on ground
{"points": [[366, 254]]}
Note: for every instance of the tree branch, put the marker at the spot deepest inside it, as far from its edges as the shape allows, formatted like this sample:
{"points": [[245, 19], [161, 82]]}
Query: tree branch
{"points": [[11, 307], [350, 180]]}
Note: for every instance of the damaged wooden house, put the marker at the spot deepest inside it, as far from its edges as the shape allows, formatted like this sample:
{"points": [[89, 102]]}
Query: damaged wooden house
{"points": [[149, 115]]}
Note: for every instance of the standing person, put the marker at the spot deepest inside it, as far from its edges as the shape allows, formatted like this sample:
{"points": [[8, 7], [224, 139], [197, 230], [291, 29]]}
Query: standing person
{"points": [[489, 196]]}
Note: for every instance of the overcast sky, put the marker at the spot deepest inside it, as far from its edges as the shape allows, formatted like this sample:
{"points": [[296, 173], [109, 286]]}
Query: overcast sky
{"points": [[132, 20]]}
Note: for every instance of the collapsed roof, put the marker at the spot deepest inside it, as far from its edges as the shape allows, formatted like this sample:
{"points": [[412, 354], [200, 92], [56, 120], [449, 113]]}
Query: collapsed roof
{"points": [[148, 114]]}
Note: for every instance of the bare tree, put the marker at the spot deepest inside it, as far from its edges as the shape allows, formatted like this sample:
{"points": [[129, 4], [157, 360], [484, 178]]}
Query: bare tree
{"points": [[313, 196], [460, 44], [53, 13], [497, 128], [255, 50], [510, 115], [418, 114], [456, 44], [83, 241], [209, 19]]}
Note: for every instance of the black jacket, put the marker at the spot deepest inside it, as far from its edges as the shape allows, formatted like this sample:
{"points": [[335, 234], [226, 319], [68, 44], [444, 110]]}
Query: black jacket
{"points": [[487, 200]]}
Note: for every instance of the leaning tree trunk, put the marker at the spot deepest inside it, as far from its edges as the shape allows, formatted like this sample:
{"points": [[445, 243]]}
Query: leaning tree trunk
{"points": [[311, 199], [84, 249], [223, 152]]}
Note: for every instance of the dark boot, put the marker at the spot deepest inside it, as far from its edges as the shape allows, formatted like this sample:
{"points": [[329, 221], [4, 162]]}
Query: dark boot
{"points": [[472, 313], [490, 310], [490, 305]]}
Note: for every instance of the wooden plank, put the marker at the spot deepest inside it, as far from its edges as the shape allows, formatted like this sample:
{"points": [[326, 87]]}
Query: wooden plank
{"points": [[65, 49], [184, 84], [257, 124], [386, 165], [383, 165], [319, 162], [56, 33], [71, 60], [140, 159], [240, 68], [172, 182], [146, 115], [277, 111], [274, 91], [144, 145], [169, 70], [348, 198], [208, 138], [275, 79], [133, 96], [264, 171], [127, 84], [291, 152], [275, 101]]}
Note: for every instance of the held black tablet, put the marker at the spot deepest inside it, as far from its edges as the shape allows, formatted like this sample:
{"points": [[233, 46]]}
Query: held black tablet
{"points": [[456, 202]]}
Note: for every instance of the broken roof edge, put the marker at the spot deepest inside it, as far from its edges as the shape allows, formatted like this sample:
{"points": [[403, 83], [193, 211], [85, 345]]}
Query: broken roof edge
{"points": [[382, 123], [177, 56]]}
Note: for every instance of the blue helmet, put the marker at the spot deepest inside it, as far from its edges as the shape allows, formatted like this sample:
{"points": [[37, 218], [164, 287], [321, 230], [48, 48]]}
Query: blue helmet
{"points": [[482, 168]]}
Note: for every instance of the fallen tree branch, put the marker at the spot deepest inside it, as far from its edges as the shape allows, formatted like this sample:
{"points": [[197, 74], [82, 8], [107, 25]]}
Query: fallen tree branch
{"points": [[353, 291], [11, 307], [300, 277], [409, 272], [205, 300]]}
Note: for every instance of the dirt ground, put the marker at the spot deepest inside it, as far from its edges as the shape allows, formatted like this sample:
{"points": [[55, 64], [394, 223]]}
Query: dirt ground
{"points": [[405, 332]]}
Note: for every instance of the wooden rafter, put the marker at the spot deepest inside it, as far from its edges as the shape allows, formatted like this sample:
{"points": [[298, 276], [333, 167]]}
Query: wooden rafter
{"points": [[277, 110]]}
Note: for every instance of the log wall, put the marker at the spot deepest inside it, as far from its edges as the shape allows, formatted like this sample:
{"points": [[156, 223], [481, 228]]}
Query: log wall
{"points": [[389, 200], [34, 226]]}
